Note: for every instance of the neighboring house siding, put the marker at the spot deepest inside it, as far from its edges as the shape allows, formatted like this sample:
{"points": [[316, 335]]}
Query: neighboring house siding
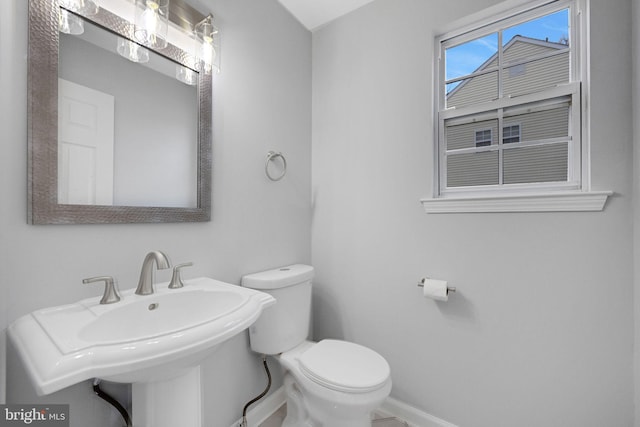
{"points": [[551, 123], [537, 75], [478, 89], [545, 163], [523, 78], [521, 49], [464, 136], [533, 126], [473, 169]]}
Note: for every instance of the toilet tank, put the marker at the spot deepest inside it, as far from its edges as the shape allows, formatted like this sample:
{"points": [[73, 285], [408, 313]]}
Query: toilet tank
{"points": [[285, 324]]}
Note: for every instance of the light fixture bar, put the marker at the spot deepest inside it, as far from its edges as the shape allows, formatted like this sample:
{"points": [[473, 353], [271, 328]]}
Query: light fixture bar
{"points": [[184, 15]]}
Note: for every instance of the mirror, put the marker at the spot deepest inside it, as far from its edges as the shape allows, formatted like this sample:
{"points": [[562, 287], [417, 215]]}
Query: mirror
{"points": [[129, 145], [127, 131]]}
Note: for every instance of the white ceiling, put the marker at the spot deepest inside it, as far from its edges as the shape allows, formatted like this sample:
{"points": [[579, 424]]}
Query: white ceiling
{"points": [[315, 13]]}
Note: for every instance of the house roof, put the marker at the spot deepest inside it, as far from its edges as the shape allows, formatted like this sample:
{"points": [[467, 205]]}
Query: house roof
{"points": [[514, 40]]}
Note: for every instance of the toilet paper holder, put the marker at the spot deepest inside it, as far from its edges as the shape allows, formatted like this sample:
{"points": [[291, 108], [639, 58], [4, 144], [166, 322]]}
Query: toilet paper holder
{"points": [[421, 285]]}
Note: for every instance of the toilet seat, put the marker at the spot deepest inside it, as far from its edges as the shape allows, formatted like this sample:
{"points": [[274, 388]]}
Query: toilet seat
{"points": [[344, 366]]}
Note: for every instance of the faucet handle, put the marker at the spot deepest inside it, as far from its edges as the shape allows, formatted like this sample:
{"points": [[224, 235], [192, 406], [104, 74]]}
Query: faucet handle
{"points": [[176, 280], [110, 292]]}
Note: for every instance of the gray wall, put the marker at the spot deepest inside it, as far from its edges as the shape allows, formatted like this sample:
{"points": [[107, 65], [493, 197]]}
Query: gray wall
{"points": [[541, 330], [261, 102]]}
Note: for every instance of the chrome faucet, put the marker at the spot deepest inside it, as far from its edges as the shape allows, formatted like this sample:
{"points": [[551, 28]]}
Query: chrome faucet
{"points": [[145, 284]]}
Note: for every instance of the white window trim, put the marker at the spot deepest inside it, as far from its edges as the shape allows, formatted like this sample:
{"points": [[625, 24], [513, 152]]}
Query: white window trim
{"points": [[530, 199], [566, 201]]}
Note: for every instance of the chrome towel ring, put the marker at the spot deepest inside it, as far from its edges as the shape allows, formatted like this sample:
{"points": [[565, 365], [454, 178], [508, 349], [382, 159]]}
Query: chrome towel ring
{"points": [[271, 155]]}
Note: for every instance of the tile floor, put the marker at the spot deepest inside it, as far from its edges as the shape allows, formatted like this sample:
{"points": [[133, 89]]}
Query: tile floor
{"points": [[276, 419]]}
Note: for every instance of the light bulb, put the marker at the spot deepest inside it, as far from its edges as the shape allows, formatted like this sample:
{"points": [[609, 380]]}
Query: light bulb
{"points": [[186, 76], [69, 23], [208, 53], [205, 49], [85, 7], [151, 22], [132, 51]]}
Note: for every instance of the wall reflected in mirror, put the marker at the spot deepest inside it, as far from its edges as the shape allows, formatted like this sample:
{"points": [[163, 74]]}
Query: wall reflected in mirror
{"points": [[127, 122]]}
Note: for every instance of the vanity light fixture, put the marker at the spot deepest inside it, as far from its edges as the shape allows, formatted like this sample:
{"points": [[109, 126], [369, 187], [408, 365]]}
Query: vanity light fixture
{"points": [[186, 75], [69, 23], [152, 22], [151, 27], [132, 51], [206, 37], [83, 7]]}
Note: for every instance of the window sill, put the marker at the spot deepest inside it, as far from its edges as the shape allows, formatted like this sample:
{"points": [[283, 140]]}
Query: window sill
{"points": [[548, 202]]}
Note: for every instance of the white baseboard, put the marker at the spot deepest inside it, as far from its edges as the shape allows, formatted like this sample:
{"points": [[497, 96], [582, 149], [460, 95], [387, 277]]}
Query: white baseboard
{"points": [[264, 409], [389, 408], [415, 417]]}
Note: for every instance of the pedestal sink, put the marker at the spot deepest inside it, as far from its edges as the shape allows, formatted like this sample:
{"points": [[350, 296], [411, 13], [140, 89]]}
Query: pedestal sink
{"points": [[156, 342]]}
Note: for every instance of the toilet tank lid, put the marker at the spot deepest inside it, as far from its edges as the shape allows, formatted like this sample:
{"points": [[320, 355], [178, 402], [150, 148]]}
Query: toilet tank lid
{"points": [[279, 277]]}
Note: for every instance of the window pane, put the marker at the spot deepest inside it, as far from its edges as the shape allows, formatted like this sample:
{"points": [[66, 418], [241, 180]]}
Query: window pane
{"points": [[536, 75], [466, 58], [510, 134], [472, 135], [538, 123], [470, 169], [546, 163], [553, 28], [474, 90]]}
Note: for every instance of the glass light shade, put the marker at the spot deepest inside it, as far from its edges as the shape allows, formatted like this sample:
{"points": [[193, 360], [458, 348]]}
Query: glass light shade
{"points": [[85, 7], [132, 51], [152, 22], [186, 75], [206, 37], [69, 23]]}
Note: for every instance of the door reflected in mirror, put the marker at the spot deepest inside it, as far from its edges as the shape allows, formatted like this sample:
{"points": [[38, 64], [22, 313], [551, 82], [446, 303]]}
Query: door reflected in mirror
{"points": [[127, 124]]}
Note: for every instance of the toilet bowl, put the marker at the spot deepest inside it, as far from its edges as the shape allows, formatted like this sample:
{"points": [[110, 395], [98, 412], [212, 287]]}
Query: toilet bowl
{"points": [[331, 383]]}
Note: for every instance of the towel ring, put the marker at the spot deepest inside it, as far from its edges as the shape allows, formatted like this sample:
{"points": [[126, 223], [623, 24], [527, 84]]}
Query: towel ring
{"points": [[270, 156]]}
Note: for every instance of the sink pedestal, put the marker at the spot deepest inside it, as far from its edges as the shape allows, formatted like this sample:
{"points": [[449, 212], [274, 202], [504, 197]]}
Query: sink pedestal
{"points": [[169, 403]]}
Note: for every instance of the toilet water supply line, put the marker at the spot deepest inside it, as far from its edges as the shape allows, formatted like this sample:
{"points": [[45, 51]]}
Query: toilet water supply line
{"points": [[101, 394], [258, 397]]}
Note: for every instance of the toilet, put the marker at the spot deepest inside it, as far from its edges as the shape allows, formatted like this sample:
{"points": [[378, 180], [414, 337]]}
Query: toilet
{"points": [[330, 383]]}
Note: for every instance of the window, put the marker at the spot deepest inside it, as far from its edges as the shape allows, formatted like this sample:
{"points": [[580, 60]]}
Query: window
{"points": [[483, 138], [516, 77], [510, 133]]}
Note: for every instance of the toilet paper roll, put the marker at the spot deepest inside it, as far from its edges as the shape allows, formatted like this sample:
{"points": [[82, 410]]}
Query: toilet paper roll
{"points": [[435, 289]]}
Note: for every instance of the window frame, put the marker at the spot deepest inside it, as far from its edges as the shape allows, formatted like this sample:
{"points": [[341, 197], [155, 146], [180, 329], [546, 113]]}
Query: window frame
{"points": [[512, 125], [576, 91], [483, 141]]}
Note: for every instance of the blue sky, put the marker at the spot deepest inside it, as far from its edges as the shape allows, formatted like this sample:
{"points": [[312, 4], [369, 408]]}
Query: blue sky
{"points": [[466, 58]]}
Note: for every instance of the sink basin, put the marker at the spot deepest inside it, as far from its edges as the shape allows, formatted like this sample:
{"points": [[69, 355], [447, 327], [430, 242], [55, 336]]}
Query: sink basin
{"points": [[139, 339], [165, 315]]}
